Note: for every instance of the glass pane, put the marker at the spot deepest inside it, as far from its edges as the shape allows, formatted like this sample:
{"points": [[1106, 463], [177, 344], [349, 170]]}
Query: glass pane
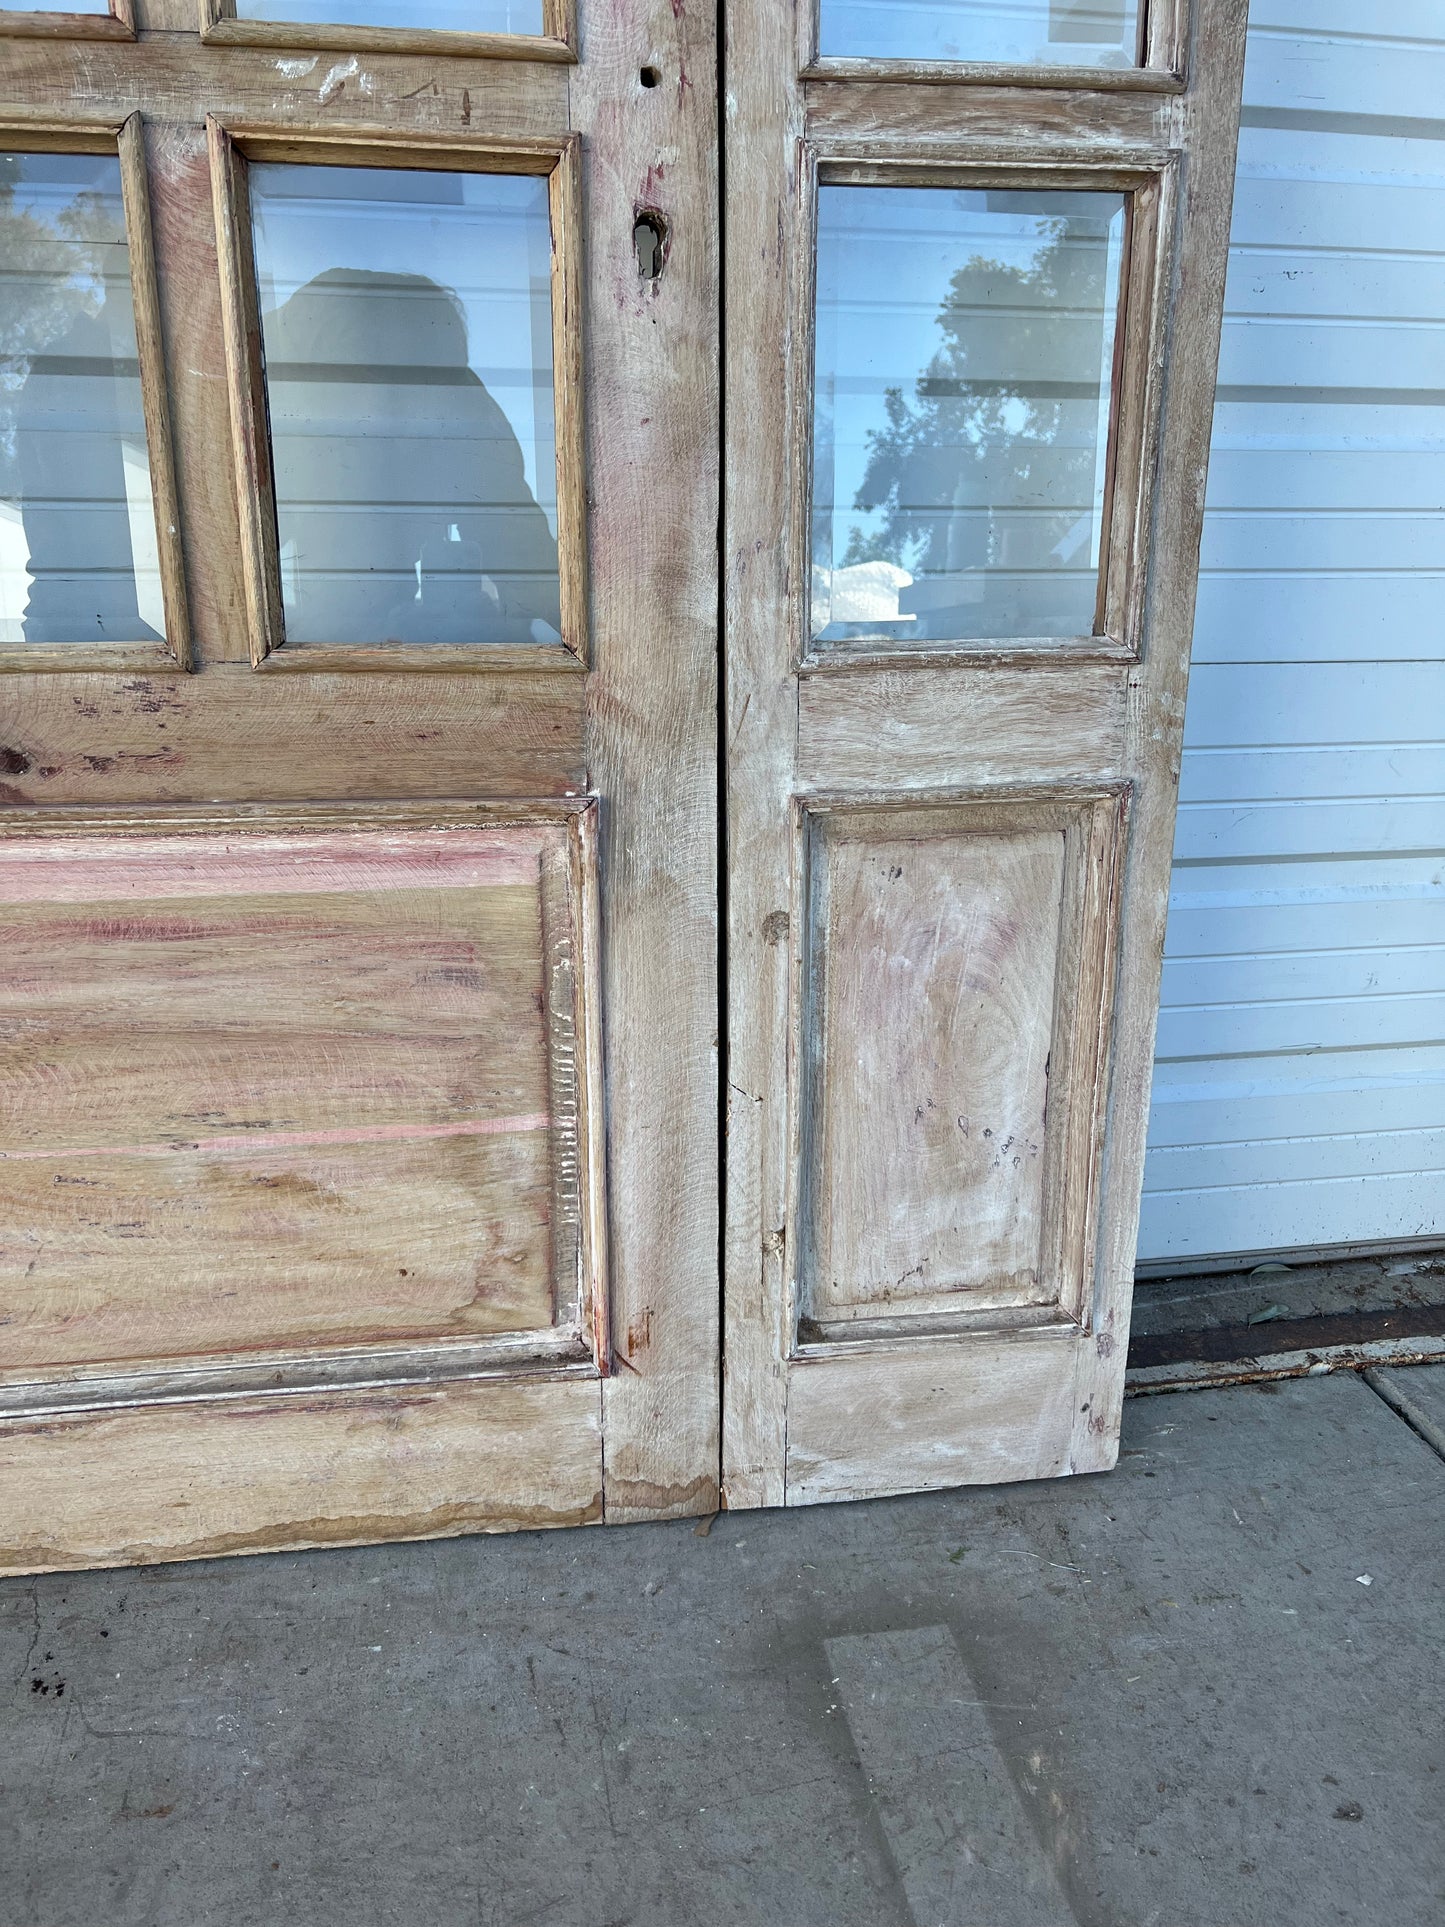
{"points": [[459, 16], [407, 324], [965, 349], [79, 560], [1065, 33]]}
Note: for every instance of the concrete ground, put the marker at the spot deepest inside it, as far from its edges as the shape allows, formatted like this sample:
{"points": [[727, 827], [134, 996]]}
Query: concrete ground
{"points": [[1204, 1691]]}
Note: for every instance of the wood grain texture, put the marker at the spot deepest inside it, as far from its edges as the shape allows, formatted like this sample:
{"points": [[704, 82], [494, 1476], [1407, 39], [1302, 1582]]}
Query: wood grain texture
{"points": [[250, 438], [137, 1487], [170, 77], [951, 1021], [922, 1416], [820, 1418], [233, 736], [640, 391], [1026, 121], [381, 1144], [763, 271], [955, 728], [927, 1036], [653, 457]]}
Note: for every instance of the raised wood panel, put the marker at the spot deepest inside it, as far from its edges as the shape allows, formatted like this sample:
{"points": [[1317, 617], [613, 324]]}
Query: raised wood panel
{"points": [[952, 1034], [189, 1481], [933, 962], [273, 1090]]}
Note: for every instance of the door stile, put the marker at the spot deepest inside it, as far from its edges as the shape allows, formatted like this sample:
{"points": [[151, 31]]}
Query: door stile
{"points": [[654, 438]]}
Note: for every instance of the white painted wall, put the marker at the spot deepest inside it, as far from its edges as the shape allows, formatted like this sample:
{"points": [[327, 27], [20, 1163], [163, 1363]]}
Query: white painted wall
{"points": [[1299, 1091]]}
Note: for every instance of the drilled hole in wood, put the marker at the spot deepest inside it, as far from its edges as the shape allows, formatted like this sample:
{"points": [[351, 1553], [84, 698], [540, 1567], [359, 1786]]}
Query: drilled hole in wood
{"points": [[649, 237], [650, 77]]}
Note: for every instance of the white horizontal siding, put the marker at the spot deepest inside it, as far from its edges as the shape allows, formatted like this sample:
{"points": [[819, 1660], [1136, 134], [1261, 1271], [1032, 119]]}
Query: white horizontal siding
{"points": [[1299, 1092]]}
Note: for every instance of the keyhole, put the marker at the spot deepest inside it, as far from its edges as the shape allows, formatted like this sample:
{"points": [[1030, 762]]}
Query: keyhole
{"points": [[649, 237]]}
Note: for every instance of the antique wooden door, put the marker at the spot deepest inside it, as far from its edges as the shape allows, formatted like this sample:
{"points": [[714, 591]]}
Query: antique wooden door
{"points": [[974, 272], [359, 444], [359, 439]]}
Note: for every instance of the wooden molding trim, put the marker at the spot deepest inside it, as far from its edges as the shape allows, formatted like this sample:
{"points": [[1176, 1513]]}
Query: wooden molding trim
{"points": [[118, 24], [20, 133], [558, 161], [556, 43], [1148, 180]]}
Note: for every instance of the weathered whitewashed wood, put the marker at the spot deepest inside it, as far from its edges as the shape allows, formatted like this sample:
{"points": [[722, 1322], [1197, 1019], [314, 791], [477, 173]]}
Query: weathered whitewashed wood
{"points": [[653, 458], [950, 1030], [806, 1416], [899, 1417], [953, 728], [764, 273]]}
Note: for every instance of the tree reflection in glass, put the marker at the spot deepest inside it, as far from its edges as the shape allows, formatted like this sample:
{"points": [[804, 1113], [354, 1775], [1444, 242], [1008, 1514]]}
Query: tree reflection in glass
{"points": [[967, 501], [79, 560], [407, 325]]}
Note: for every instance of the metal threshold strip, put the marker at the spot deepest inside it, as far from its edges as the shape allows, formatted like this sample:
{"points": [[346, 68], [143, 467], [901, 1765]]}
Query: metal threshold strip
{"points": [[1283, 1321]]}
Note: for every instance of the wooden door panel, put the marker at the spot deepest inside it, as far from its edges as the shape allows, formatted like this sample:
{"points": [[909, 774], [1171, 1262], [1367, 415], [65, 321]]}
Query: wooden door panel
{"points": [[952, 1031], [316, 1121], [290, 1091]]}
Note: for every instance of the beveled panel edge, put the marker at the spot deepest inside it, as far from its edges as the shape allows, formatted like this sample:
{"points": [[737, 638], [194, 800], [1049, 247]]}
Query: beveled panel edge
{"points": [[822, 1339], [32, 131], [291, 1373], [980, 73]]}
